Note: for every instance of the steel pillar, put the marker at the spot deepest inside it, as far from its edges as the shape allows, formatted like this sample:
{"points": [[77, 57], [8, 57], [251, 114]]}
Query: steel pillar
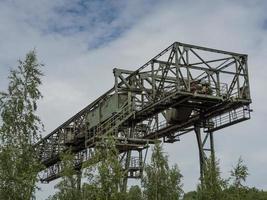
{"points": [[79, 179], [127, 165], [206, 149]]}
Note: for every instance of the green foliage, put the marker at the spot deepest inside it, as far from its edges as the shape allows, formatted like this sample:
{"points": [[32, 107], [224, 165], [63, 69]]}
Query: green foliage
{"points": [[135, 193], [160, 182], [214, 187], [192, 195], [212, 184], [90, 191], [20, 128], [105, 179], [230, 194], [68, 187], [244, 193], [239, 173], [103, 173]]}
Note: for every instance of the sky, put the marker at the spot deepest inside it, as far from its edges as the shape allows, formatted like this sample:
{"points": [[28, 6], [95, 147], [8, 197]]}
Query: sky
{"points": [[80, 42]]}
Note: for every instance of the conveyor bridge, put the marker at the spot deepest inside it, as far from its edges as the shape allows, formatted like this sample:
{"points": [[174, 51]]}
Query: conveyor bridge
{"points": [[184, 88]]}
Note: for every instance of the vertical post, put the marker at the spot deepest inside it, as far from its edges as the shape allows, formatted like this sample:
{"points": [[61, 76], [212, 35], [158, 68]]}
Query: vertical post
{"points": [[218, 88], [201, 151], [187, 69], [177, 64], [127, 161], [79, 179], [142, 95], [237, 77], [153, 81], [115, 72], [157, 122], [212, 151], [246, 75], [141, 162], [127, 165], [129, 100]]}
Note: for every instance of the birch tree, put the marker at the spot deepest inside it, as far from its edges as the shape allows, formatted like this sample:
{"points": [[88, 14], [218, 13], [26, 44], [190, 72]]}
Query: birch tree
{"points": [[19, 130]]}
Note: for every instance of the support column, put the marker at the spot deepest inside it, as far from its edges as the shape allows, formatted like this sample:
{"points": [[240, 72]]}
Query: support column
{"points": [[201, 151], [206, 150], [127, 160], [212, 151], [79, 179], [127, 165]]}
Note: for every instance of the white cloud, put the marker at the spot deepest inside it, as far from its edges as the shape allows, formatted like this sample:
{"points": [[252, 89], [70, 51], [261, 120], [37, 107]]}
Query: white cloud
{"points": [[76, 75]]}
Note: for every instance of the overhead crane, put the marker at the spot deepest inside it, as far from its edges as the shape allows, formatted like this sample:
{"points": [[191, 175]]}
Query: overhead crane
{"points": [[183, 89]]}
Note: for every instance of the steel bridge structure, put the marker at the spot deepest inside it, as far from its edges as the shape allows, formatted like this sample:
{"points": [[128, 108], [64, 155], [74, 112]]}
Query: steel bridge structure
{"points": [[185, 88]]}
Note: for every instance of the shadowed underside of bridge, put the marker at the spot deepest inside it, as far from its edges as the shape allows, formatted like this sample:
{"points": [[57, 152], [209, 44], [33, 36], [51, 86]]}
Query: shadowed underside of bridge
{"points": [[184, 88]]}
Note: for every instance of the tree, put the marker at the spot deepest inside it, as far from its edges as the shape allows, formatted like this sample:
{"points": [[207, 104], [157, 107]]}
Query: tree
{"points": [[160, 182], [212, 185], [192, 195], [105, 172], [134, 193], [68, 187], [20, 129], [239, 173]]}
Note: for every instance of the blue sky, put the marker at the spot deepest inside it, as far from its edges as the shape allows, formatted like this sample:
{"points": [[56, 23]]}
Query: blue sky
{"points": [[80, 42], [88, 17], [98, 21]]}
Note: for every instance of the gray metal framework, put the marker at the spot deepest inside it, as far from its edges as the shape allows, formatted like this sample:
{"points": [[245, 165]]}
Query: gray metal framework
{"points": [[204, 89]]}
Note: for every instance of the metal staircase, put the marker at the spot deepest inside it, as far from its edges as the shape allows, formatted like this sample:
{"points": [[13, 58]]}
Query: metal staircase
{"points": [[110, 125]]}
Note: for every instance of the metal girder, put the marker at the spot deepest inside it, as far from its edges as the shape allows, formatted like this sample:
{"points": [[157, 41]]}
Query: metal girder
{"points": [[201, 84]]}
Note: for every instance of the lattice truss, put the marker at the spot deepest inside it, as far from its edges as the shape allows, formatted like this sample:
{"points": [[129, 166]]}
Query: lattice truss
{"points": [[184, 88]]}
